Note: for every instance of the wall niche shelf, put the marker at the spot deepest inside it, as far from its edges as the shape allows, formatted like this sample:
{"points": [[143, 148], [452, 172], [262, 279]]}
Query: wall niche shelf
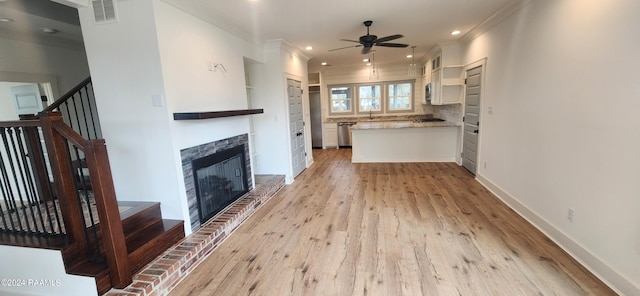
{"points": [[215, 114]]}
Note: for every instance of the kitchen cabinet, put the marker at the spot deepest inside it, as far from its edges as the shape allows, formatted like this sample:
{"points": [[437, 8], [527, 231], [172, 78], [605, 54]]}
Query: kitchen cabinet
{"points": [[447, 75], [447, 85], [405, 142], [330, 135]]}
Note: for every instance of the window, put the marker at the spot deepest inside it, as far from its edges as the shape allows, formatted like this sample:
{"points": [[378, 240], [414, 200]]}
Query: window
{"points": [[399, 96], [340, 99], [369, 98], [386, 97]]}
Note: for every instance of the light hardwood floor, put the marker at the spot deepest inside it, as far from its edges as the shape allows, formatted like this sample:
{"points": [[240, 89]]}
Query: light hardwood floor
{"points": [[387, 229]]}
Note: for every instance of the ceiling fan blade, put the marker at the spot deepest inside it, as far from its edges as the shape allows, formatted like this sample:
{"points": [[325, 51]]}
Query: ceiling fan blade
{"points": [[388, 38], [350, 40], [392, 44], [345, 47], [366, 49]]}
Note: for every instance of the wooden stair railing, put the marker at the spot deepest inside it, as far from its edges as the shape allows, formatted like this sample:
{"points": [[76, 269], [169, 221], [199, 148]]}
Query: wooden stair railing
{"points": [[79, 111], [60, 139], [68, 95]]}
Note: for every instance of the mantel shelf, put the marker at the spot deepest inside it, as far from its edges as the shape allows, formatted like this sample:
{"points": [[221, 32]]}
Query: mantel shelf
{"points": [[214, 114]]}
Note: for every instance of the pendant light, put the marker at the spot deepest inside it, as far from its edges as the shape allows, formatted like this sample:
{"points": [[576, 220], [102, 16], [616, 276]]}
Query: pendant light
{"points": [[413, 67], [374, 72]]}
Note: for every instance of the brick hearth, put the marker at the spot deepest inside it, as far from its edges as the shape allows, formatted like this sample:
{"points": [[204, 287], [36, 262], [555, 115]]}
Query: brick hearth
{"points": [[164, 273]]}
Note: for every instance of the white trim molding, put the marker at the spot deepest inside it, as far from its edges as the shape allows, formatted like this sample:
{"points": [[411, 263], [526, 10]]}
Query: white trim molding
{"points": [[586, 258]]}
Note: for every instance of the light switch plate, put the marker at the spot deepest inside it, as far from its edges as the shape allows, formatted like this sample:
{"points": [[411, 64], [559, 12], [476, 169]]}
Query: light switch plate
{"points": [[157, 101]]}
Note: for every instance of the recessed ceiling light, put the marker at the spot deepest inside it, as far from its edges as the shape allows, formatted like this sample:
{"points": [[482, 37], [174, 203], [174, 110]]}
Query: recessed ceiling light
{"points": [[456, 32], [365, 60], [409, 56], [308, 48], [5, 20], [324, 63], [368, 64], [50, 30]]}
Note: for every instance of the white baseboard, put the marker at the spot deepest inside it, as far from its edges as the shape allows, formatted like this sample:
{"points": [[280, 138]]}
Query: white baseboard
{"points": [[599, 268]]}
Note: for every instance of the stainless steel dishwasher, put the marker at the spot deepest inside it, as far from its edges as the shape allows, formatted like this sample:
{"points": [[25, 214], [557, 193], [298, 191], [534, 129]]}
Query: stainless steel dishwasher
{"points": [[344, 134]]}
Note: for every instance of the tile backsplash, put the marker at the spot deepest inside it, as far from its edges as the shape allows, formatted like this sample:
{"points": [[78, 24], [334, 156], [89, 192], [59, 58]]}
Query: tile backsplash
{"points": [[451, 112]]}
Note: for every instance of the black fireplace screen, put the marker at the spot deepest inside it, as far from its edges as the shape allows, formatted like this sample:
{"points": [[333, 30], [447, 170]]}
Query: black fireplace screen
{"points": [[220, 180]]}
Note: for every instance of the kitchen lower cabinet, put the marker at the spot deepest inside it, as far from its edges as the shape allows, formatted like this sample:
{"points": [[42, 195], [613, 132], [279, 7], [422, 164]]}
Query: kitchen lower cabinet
{"points": [[419, 144], [330, 135]]}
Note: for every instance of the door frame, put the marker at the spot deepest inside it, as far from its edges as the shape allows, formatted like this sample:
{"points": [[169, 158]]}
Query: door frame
{"points": [[481, 62]]}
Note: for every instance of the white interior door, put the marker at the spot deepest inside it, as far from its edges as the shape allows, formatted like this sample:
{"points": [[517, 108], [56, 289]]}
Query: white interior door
{"points": [[296, 123], [27, 99], [471, 119]]}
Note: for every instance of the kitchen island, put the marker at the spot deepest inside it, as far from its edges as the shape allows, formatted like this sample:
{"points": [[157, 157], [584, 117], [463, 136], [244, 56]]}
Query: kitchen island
{"points": [[405, 141]]}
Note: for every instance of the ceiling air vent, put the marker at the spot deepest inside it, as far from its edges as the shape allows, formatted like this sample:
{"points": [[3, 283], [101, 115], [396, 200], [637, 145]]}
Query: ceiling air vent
{"points": [[104, 11]]}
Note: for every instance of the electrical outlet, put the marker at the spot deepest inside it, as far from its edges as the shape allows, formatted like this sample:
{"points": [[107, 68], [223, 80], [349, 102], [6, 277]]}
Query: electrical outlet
{"points": [[571, 215]]}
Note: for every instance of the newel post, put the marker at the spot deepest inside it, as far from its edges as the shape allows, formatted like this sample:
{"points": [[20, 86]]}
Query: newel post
{"points": [[64, 181], [107, 205]]}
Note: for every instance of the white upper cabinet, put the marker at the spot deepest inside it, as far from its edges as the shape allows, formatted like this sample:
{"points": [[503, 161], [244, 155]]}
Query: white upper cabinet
{"points": [[447, 76]]}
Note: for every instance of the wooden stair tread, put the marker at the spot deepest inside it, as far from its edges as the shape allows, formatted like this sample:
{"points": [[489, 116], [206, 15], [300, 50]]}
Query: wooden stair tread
{"points": [[139, 216], [89, 268], [58, 242], [99, 271], [135, 207]]}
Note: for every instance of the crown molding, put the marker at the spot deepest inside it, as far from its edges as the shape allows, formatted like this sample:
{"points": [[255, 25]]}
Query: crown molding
{"points": [[495, 19]]}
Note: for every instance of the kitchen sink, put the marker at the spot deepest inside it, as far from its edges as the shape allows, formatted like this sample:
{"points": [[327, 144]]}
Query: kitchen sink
{"points": [[429, 119]]}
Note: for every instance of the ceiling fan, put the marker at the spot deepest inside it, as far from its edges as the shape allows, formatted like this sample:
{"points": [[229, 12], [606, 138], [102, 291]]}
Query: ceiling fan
{"points": [[368, 41]]}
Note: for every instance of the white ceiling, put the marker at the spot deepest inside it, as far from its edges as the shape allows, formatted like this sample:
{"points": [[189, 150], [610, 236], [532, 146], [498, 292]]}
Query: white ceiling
{"points": [[320, 24]]}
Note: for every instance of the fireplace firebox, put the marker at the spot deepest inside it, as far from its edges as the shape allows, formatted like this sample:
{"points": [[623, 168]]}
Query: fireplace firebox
{"points": [[220, 179]]}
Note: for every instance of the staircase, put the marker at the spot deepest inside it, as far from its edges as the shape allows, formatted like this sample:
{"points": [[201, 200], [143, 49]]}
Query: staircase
{"points": [[56, 192], [147, 236]]}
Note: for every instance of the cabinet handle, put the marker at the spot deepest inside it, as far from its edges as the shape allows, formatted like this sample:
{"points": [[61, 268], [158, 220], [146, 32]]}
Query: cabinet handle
{"points": [[475, 131], [299, 134]]}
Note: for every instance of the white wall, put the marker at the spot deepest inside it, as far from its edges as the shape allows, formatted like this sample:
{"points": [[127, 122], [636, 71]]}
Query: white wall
{"points": [[562, 81], [272, 128], [126, 72], [158, 50], [20, 61], [40, 272]]}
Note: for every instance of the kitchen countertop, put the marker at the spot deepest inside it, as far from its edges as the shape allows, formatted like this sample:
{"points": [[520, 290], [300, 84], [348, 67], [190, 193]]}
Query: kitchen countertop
{"points": [[401, 124], [377, 118]]}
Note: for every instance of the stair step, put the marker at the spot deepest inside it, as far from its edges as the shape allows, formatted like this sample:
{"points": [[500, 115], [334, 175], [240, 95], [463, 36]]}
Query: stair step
{"points": [[147, 236], [139, 215], [99, 271], [149, 244]]}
